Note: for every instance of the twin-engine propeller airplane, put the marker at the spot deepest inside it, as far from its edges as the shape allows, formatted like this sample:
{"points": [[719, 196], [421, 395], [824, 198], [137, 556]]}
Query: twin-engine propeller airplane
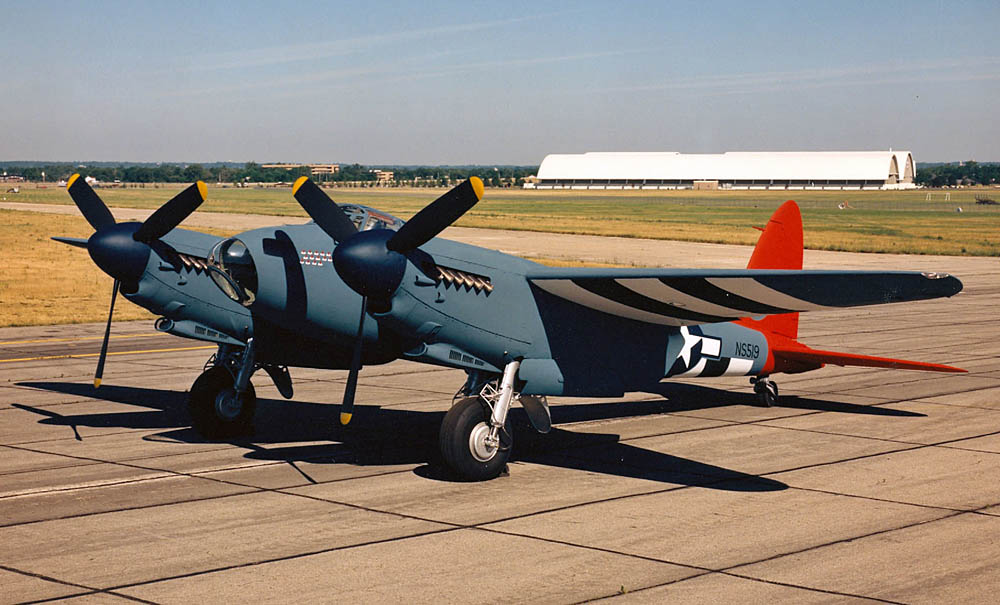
{"points": [[358, 287]]}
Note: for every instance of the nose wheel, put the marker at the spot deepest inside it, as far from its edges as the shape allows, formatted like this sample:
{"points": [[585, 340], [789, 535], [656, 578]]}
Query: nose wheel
{"points": [[766, 390]]}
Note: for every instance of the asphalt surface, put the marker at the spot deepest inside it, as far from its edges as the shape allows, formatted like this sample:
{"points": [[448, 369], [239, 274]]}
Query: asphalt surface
{"points": [[861, 484]]}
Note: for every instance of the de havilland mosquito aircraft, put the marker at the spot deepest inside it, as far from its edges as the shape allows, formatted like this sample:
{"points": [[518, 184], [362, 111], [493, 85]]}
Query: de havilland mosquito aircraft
{"points": [[358, 287]]}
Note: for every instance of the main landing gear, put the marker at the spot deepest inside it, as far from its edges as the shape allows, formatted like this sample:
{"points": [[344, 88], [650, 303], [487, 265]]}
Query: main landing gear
{"points": [[218, 410], [475, 435], [766, 390], [222, 401]]}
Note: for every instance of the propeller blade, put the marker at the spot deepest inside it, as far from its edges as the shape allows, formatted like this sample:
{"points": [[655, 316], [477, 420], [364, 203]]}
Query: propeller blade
{"points": [[172, 213], [107, 335], [93, 209], [434, 218], [323, 210], [347, 407]]}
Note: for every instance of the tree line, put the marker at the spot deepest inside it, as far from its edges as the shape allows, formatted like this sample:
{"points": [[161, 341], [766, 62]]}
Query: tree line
{"points": [[962, 173], [251, 172], [929, 175]]}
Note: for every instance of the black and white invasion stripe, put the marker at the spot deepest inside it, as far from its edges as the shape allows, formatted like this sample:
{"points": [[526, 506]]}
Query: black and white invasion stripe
{"points": [[676, 301]]}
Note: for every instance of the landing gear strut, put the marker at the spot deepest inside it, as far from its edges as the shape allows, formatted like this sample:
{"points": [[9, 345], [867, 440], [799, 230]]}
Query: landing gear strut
{"points": [[766, 390], [475, 435], [222, 400]]}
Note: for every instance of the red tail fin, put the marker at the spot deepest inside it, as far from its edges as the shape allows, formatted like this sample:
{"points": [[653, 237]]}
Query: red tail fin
{"points": [[780, 247]]}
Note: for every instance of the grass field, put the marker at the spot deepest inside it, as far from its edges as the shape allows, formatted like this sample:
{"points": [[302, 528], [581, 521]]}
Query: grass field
{"points": [[42, 282], [877, 221]]}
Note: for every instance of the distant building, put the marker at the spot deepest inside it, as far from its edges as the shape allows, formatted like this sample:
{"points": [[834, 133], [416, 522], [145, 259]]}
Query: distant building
{"points": [[383, 176], [324, 168], [731, 170], [313, 168]]}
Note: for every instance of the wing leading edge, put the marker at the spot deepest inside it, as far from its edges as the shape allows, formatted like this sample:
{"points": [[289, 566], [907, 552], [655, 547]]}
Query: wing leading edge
{"points": [[689, 297]]}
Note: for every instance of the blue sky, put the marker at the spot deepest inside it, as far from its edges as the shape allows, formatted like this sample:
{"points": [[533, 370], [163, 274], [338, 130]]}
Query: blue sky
{"points": [[485, 83]]}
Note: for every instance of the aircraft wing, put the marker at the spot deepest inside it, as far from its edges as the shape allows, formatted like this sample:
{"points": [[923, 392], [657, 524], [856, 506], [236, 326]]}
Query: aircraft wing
{"points": [[681, 297]]}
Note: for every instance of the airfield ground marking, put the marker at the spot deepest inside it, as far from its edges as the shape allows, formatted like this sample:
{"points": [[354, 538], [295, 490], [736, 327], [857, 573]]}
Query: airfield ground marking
{"points": [[712, 480], [724, 571], [542, 512], [54, 580], [78, 338], [448, 526], [202, 474], [728, 570], [759, 422], [279, 559], [84, 355]]}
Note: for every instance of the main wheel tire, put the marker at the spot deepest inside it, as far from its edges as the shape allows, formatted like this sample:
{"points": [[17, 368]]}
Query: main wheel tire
{"points": [[462, 441], [767, 393], [216, 413]]}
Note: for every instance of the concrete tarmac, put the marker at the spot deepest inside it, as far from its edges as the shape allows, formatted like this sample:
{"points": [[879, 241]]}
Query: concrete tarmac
{"points": [[860, 485]]}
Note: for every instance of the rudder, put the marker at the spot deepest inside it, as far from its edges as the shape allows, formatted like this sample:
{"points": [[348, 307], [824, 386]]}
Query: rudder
{"points": [[780, 247]]}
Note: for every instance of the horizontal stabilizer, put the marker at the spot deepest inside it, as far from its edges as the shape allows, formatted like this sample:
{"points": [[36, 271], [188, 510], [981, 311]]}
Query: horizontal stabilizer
{"points": [[811, 356], [79, 242]]}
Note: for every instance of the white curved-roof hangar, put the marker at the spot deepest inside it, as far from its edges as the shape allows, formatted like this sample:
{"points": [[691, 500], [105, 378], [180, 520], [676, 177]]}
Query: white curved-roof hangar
{"points": [[838, 169]]}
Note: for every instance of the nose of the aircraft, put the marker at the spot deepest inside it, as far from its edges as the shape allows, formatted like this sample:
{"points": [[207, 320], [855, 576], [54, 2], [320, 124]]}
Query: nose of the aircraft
{"points": [[368, 266], [117, 253]]}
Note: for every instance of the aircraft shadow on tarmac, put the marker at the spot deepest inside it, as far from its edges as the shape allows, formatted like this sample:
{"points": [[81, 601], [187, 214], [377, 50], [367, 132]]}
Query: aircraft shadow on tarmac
{"points": [[387, 436]]}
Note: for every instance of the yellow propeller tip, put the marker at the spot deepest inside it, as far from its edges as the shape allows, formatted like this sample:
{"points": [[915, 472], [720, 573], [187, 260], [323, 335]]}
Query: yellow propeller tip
{"points": [[345, 418], [477, 186], [295, 189], [97, 383], [72, 180], [203, 190]]}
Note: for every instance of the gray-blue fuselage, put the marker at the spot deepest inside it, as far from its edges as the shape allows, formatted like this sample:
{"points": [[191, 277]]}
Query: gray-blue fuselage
{"points": [[303, 314]]}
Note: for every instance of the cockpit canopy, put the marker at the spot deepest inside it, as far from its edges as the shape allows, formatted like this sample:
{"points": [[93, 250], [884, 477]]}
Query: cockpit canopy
{"points": [[365, 218], [232, 269]]}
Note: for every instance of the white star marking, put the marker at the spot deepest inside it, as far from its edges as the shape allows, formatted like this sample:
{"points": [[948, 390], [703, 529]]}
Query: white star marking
{"points": [[689, 341]]}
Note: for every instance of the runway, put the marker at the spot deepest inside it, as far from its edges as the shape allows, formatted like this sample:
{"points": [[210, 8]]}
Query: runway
{"points": [[861, 485]]}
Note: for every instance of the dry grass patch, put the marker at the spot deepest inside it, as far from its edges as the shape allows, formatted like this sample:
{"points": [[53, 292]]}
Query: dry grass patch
{"points": [[43, 282]]}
